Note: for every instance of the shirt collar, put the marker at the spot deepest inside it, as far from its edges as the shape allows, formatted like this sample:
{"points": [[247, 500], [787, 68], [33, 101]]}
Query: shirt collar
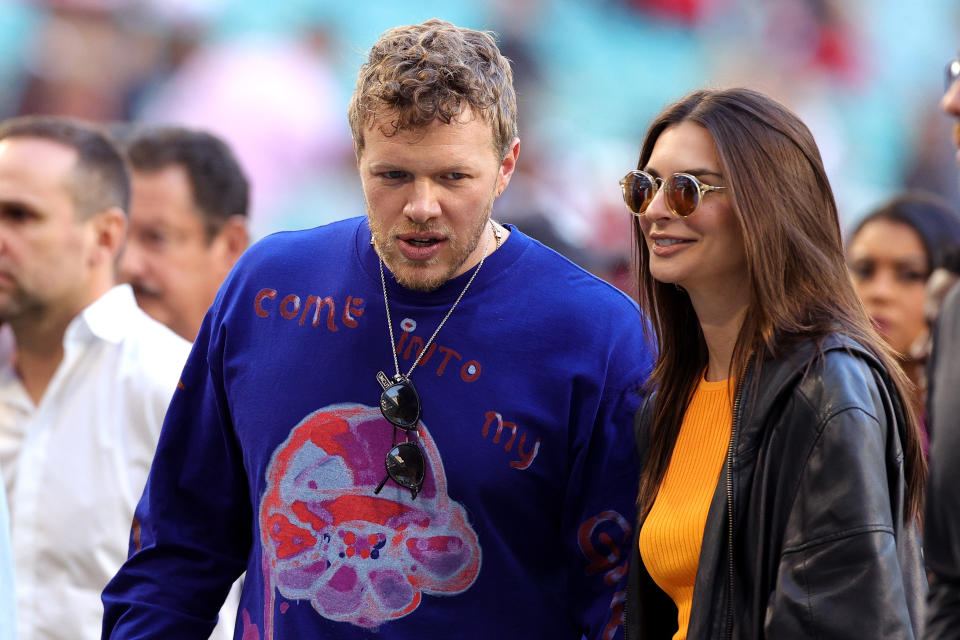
{"points": [[107, 318]]}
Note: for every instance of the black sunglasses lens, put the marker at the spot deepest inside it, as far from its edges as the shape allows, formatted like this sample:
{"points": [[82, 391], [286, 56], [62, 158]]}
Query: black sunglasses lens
{"points": [[400, 404], [683, 194], [406, 466], [638, 191]]}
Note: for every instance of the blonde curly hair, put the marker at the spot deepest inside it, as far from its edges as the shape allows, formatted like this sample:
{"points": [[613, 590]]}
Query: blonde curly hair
{"points": [[420, 73]]}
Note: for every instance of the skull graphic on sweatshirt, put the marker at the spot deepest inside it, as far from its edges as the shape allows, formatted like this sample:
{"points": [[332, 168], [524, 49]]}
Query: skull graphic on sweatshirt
{"points": [[356, 556]]}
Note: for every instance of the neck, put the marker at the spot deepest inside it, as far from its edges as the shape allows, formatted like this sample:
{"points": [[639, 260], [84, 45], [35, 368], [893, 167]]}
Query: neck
{"points": [[39, 352], [39, 339], [721, 318], [500, 233], [490, 240]]}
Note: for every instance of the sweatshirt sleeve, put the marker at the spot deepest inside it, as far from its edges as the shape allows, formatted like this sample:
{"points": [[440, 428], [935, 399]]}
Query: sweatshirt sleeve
{"points": [[599, 510], [190, 536], [840, 553]]}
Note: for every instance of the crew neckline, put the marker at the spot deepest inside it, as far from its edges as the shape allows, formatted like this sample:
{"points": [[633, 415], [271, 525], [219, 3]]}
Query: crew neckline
{"points": [[714, 385]]}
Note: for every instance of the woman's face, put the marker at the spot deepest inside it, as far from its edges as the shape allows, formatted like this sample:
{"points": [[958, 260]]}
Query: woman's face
{"points": [[702, 252], [888, 265]]}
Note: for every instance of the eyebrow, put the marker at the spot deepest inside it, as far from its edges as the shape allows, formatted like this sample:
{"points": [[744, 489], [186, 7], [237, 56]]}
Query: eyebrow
{"points": [[15, 203], [694, 172], [454, 167], [912, 261]]}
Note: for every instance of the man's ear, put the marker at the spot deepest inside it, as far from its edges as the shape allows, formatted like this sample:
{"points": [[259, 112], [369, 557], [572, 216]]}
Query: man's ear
{"points": [[507, 166], [233, 239], [109, 230]]}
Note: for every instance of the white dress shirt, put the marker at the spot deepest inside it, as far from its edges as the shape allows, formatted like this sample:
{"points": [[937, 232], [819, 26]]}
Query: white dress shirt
{"points": [[75, 465], [8, 604]]}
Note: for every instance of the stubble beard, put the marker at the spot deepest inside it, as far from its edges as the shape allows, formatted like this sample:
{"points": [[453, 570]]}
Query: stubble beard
{"points": [[17, 305], [419, 275]]}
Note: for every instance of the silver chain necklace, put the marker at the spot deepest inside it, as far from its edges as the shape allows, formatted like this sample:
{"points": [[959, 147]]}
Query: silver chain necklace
{"points": [[381, 377]]}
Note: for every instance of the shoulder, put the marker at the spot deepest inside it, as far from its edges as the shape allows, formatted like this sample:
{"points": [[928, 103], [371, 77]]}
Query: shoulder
{"points": [[153, 349], [835, 375], [566, 286], [948, 322], [560, 306], [289, 261], [138, 342], [584, 312], [950, 307], [286, 247]]}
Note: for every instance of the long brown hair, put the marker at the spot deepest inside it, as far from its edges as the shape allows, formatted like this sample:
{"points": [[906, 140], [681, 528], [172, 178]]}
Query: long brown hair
{"points": [[799, 284]]}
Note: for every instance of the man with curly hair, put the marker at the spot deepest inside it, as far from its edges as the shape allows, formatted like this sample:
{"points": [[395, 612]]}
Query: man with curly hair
{"points": [[416, 424]]}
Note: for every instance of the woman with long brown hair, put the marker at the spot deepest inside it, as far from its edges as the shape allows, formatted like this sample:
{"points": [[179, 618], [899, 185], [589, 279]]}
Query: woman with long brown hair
{"points": [[782, 469]]}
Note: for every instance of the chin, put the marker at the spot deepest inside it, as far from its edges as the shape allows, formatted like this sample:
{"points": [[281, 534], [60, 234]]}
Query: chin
{"points": [[424, 278], [421, 276], [666, 277]]}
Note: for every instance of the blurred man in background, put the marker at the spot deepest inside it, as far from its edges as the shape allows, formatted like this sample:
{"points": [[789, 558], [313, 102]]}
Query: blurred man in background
{"points": [[942, 525], [188, 223], [85, 375]]}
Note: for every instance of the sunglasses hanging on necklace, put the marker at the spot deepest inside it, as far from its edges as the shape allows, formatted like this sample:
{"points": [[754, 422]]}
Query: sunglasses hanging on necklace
{"points": [[400, 403]]}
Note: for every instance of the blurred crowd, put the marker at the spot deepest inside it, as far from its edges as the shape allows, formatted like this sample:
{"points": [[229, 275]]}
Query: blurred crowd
{"points": [[273, 79], [231, 115]]}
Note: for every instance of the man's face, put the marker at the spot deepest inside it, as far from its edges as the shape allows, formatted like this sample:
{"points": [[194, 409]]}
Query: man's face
{"points": [[173, 268], [46, 253], [429, 194], [951, 106]]}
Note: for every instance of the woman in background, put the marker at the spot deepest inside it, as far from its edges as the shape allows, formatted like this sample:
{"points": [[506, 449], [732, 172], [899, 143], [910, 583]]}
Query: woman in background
{"points": [[783, 472], [892, 253]]}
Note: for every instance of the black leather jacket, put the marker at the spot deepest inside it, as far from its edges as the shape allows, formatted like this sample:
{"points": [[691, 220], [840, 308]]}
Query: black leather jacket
{"points": [[815, 487]]}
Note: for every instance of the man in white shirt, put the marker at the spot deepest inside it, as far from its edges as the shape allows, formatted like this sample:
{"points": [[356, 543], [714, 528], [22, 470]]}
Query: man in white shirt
{"points": [[85, 377], [8, 603]]}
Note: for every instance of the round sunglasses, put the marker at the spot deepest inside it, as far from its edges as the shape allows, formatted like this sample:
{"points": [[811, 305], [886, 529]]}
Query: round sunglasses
{"points": [[682, 192], [405, 463]]}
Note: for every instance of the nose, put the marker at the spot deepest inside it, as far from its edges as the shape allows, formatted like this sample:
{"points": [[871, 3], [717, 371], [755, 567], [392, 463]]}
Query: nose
{"points": [[950, 103], [423, 203], [131, 262], [879, 288], [657, 210]]}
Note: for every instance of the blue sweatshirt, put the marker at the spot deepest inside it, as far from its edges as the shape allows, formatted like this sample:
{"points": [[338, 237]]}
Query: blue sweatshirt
{"points": [[274, 443]]}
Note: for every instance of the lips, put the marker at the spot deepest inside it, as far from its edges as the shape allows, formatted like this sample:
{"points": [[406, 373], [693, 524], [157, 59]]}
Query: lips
{"points": [[662, 245], [668, 242], [881, 324], [420, 246]]}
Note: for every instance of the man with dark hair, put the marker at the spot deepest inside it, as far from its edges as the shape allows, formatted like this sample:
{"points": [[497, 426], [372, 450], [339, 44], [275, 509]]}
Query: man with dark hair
{"points": [[416, 424], [942, 523], [188, 223], [85, 376]]}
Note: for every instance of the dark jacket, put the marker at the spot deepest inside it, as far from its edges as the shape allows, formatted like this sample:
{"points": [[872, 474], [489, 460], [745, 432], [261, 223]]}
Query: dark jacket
{"points": [[942, 533], [815, 479]]}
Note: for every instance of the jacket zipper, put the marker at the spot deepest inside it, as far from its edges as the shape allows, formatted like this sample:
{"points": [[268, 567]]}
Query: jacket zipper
{"points": [[729, 481]]}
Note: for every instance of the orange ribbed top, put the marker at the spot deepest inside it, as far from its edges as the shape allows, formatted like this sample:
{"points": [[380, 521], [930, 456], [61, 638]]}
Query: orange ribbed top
{"points": [[672, 534]]}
